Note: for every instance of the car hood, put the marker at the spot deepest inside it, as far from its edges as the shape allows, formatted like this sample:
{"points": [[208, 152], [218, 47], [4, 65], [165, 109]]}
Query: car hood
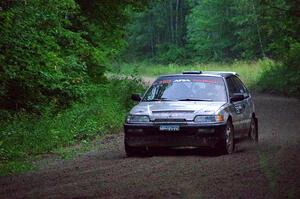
{"points": [[186, 110]]}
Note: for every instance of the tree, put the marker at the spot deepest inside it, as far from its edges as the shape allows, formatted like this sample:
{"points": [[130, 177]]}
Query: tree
{"points": [[159, 31], [211, 31], [49, 49]]}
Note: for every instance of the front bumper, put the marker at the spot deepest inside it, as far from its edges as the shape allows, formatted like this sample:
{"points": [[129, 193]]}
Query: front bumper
{"points": [[189, 135]]}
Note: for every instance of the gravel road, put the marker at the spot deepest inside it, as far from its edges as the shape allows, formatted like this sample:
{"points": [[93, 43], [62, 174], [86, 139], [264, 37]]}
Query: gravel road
{"points": [[270, 169]]}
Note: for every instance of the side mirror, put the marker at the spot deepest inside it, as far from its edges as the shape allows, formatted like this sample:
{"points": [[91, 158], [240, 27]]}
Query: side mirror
{"points": [[136, 97], [237, 97]]}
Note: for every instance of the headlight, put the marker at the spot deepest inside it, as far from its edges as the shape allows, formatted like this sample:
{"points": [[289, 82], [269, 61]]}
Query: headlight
{"points": [[138, 119], [209, 118]]}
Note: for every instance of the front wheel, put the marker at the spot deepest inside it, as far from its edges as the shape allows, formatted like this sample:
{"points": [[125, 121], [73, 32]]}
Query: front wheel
{"points": [[226, 145], [253, 131]]}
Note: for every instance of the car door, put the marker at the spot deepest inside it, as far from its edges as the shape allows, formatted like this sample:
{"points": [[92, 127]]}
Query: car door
{"points": [[246, 103], [236, 108]]}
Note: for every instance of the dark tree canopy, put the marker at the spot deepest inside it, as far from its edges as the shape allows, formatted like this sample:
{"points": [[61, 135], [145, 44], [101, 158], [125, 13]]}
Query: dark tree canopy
{"points": [[49, 48], [215, 30]]}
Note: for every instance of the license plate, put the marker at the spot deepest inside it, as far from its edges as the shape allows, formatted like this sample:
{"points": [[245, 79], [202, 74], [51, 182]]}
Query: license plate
{"points": [[169, 128]]}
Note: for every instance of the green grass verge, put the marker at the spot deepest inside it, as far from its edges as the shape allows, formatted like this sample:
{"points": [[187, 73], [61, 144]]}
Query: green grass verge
{"points": [[249, 72], [24, 136]]}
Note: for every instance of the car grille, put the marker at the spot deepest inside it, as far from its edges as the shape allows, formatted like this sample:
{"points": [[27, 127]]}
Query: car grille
{"points": [[173, 111], [170, 120]]}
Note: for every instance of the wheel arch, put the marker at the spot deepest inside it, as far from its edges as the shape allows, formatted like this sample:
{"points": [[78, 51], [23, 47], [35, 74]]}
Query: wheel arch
{"points": [[229, 118]]}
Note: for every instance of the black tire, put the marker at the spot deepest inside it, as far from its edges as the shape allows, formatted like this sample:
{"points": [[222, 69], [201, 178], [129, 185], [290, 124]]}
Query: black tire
{"points": [[253, 130], [227, 144]]}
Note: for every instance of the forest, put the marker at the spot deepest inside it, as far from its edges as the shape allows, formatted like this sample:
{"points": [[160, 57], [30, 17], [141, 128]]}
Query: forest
{"points": [[55, 54], [216, 30]]}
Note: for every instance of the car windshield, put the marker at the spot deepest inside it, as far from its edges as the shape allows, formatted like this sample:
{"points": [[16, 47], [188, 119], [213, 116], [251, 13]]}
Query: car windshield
{"points": [[180, 88]]}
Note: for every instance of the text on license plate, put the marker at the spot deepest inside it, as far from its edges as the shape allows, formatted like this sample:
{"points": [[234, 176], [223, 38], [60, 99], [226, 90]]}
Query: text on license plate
{"points": [[169, 128]]}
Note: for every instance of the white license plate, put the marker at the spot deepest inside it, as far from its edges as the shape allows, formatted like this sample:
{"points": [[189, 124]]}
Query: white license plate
{"points": [[169, 128]]}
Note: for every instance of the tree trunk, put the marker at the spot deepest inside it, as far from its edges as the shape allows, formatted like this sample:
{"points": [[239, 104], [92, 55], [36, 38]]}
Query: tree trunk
{"points": [[258, 31], [171, 20], [176, 22], [182, 23], [152, 47], [152, 35]]}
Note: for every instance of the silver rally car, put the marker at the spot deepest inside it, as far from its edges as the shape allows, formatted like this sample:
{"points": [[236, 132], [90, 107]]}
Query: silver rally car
{"points": [[192, 109]]}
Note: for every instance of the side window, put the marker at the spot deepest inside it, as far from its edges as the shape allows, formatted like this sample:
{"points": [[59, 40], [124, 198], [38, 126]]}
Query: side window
{"points": [[231, 86], [240, 87]]}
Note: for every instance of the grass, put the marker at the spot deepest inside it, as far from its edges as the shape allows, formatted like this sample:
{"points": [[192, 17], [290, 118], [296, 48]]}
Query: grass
{"points": [[18, 166], [67, 132], [73, 151], [249, 72]]}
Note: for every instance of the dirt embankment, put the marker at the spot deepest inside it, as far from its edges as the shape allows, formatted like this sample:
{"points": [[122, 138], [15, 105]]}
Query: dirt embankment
{"points": [[270, 169]]}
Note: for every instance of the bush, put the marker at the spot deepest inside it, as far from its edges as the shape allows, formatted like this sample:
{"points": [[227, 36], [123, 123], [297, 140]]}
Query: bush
{"points": [[170, 53], [292, 59], [278, 78], [102, 111], [284, 77], [50, 49]]}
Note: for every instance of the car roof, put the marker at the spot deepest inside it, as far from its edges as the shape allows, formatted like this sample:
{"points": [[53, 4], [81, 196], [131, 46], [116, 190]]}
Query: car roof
{"points": [[224, 74]]}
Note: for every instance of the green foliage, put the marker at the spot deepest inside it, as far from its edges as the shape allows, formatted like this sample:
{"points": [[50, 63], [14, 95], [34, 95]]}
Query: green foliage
{"points": [[292, 58], [277, 78], [155, 31], [169, 53], [102, 111], [15, 167], [210, 30], [38, 62], [250, 72], [215, 30], [49, 49], [53, 92]]}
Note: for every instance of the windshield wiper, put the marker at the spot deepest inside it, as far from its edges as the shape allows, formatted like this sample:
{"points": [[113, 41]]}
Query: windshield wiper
{"points": [[190, 99], [160, 99]]}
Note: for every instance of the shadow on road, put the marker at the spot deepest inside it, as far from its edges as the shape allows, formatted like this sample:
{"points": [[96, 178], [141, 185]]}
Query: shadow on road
{"points": [[163, 152], [184, 152]]}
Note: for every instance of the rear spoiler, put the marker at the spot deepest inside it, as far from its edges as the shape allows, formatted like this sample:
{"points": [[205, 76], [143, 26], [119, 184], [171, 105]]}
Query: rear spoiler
{"points": [[221, 72]]}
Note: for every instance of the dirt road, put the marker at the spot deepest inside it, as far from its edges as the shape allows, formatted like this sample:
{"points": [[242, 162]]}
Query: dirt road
{"points": [[270, 169]]}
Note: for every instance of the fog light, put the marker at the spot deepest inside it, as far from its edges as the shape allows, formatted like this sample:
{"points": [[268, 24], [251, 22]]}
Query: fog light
{"points": [[135, 130], [206, 130]]}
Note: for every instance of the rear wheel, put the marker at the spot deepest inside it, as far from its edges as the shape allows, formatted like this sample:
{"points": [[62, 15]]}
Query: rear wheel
{"points": [[226, 145], [253, 132]]}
